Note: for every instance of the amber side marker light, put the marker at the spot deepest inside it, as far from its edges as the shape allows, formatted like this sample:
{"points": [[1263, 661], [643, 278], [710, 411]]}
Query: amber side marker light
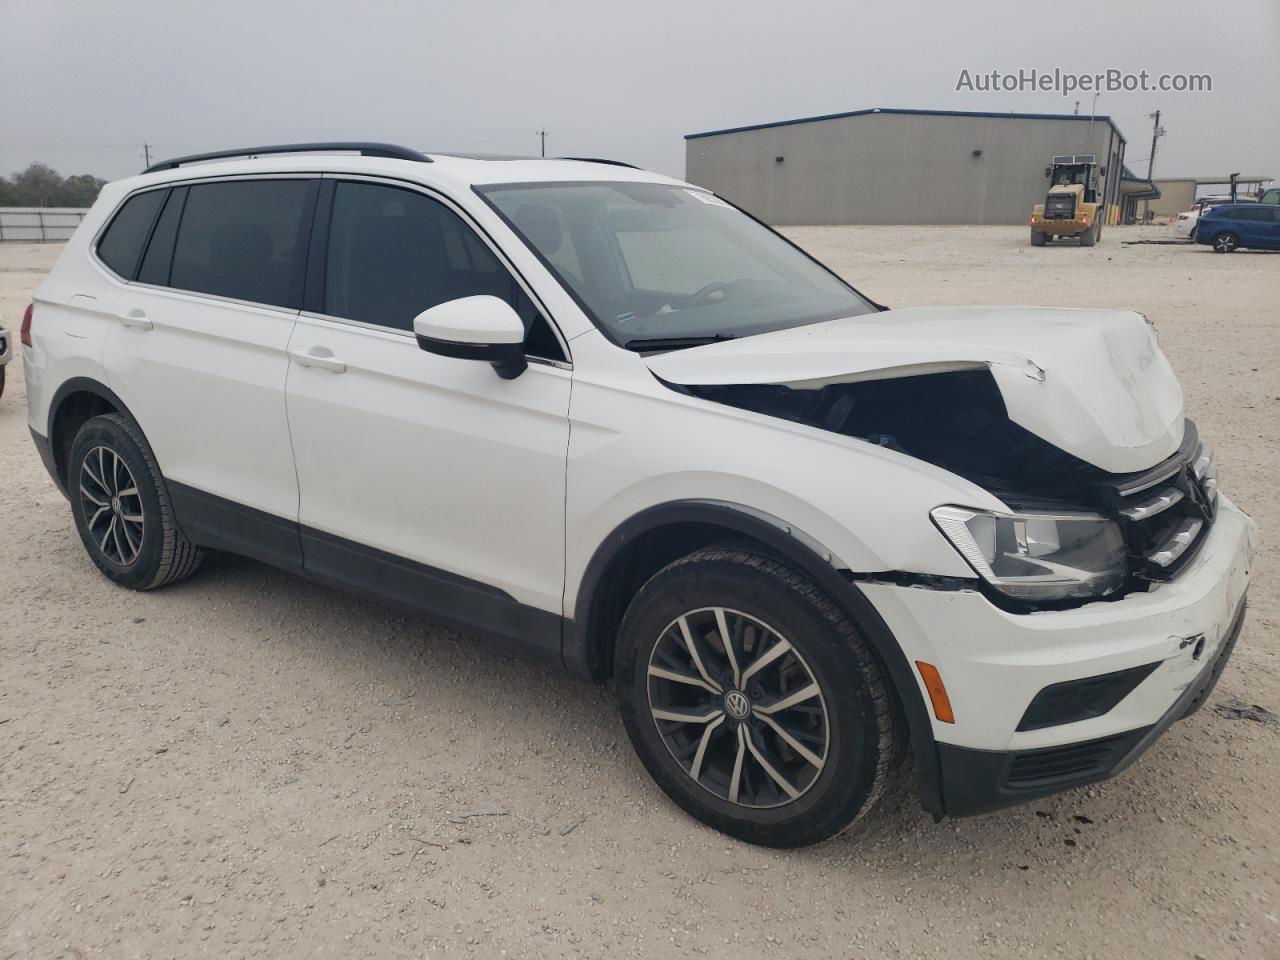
{"points": [[937, 692]]}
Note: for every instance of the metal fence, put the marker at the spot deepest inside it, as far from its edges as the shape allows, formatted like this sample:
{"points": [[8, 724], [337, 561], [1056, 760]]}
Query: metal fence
{"points": [[39, 224]]}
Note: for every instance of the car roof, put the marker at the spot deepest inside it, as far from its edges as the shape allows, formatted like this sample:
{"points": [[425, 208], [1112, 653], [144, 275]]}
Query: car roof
{"points": [[448, 170]]}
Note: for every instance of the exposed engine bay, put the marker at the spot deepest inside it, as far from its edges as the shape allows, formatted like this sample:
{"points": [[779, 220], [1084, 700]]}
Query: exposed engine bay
{"points": [[956, 421]]}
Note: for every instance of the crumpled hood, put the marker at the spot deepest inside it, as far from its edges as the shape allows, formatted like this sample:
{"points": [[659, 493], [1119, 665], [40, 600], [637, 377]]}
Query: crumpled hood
{"points": [[1092, 382]]}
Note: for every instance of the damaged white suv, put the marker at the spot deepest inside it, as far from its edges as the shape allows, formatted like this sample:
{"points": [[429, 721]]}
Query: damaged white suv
{"points": [[608, 417]]}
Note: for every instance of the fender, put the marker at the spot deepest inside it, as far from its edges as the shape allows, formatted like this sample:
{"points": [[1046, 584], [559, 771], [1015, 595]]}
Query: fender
{"points": [[808, 556]]}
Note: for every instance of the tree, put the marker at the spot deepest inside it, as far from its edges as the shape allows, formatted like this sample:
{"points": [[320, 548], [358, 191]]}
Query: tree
{"points": [[41, 186], [80, 190], [38, 186]]}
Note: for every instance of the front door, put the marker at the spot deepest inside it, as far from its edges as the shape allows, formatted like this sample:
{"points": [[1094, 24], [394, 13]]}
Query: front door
{"points": [[423, 478]]}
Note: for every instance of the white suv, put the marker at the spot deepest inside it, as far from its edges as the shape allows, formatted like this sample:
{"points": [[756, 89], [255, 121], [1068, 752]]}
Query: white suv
{"points": [[608, 416]]}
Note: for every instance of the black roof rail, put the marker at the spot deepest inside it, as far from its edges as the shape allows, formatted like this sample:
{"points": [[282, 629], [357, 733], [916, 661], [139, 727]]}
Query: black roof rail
{"points": [[389, 150], [612, 163]]}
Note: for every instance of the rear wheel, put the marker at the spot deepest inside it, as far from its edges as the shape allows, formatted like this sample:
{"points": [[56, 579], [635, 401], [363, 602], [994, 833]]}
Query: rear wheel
{"points": [[122, 508], [1038, 238], [753, 700], [1225, 243], [1, 381], [1090, 236]]}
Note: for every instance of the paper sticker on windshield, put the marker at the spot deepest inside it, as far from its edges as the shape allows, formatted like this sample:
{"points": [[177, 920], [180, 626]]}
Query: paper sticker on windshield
{"points": [[705, 197]]}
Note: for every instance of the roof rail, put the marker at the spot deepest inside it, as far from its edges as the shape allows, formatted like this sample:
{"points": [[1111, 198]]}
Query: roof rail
{"points": [[364, 149], [612, 163]]}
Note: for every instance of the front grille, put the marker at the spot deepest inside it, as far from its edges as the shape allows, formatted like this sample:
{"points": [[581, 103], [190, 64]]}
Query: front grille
{"points": [[1060, 206], [1059, 765], [1165, 512]]}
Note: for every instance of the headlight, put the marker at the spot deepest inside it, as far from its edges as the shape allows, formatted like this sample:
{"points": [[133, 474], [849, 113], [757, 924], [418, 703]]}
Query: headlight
{"points": [[1038, 556]]}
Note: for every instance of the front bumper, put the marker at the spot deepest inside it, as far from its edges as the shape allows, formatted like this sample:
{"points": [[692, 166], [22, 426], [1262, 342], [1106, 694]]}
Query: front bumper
{"points": [[1062, 228], [994, 663], [979, 781]]}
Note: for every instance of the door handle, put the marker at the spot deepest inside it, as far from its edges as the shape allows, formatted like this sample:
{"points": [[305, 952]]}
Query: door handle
{"points": [[321, 357], [135, 318]]}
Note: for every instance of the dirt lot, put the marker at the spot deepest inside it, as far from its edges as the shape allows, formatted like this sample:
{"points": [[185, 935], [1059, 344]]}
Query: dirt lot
{"points": [[249, 765]]}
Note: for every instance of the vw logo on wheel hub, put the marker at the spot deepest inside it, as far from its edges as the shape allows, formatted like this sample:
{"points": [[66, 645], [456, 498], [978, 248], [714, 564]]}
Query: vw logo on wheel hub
{"points": [[737, 705]]}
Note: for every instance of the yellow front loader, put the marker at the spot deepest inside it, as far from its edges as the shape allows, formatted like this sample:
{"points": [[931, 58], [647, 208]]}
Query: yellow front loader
{"points": [[1073, 207]]}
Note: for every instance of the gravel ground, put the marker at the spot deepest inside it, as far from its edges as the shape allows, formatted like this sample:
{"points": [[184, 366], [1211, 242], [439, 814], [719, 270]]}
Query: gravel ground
{"points": [[249, 765]]}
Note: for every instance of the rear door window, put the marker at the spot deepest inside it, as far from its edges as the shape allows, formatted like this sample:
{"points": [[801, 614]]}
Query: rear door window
{"points": [[121, 245], [245, 240]]}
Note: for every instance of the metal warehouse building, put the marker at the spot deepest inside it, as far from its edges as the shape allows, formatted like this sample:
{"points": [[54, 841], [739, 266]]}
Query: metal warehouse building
{"points": [[900, 166]]}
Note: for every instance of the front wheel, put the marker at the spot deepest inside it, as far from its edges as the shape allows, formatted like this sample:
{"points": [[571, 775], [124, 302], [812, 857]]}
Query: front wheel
{"points": [[1225, 243], [752, 699], [1038, 238], [122, 508]]}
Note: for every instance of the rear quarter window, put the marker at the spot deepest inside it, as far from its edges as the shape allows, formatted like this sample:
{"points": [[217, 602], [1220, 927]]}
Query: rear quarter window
{"points": [[121, 245]]}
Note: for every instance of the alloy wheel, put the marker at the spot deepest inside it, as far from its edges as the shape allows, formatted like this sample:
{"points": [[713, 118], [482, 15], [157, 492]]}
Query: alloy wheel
{"points": [[1225, 243], [738, 708], [112, 505]]}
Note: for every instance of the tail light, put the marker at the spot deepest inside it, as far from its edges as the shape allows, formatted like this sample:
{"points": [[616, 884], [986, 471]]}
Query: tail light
{"points": [[24, 332]]}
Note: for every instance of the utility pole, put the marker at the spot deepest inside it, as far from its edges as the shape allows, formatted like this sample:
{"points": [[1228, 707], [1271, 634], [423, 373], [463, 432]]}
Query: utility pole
{"points": [[1157, 132], [1093, 112], [146, 154], [543, 135]]}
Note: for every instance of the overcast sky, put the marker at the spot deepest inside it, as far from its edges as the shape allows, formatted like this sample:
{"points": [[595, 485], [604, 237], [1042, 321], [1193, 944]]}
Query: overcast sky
{"points": [[84, 84]]}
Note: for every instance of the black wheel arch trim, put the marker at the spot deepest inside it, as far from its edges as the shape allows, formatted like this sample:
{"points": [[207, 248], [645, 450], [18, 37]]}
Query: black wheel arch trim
{"points": [[72, 386], [581, 653]]}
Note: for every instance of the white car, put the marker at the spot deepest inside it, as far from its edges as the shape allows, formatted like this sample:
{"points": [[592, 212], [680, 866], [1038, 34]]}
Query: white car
{"points": [[606, 415], [6, 352]]}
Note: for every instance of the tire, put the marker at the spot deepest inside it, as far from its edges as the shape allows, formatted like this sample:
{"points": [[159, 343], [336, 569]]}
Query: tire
{"points": [[848, 726], [1226, 242], [1, 381], [1090, 236], [122, 509], [1038, 238]]}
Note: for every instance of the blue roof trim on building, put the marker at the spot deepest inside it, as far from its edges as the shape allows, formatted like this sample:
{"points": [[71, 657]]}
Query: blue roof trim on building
{"points": [[925, 113]]}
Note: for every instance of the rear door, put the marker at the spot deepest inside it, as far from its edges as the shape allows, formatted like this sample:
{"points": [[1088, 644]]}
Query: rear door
{"points": [[424, 478], [199, 356]]}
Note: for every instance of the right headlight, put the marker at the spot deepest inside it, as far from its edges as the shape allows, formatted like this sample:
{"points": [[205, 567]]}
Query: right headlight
{"points": [[1038, 556]]}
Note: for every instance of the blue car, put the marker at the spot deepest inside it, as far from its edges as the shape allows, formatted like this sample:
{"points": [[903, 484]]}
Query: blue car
{"points": [[1233, 225]]}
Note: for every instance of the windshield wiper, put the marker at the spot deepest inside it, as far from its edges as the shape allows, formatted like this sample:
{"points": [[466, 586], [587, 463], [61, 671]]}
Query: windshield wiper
{"points": [[643, 344]]}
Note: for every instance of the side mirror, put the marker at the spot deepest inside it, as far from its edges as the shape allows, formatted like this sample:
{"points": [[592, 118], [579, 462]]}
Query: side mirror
{"points": [[475, 328], [1048, 171]]}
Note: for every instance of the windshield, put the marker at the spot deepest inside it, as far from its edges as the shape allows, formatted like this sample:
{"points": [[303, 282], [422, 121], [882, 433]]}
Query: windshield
{"points": [[652, 263]]}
